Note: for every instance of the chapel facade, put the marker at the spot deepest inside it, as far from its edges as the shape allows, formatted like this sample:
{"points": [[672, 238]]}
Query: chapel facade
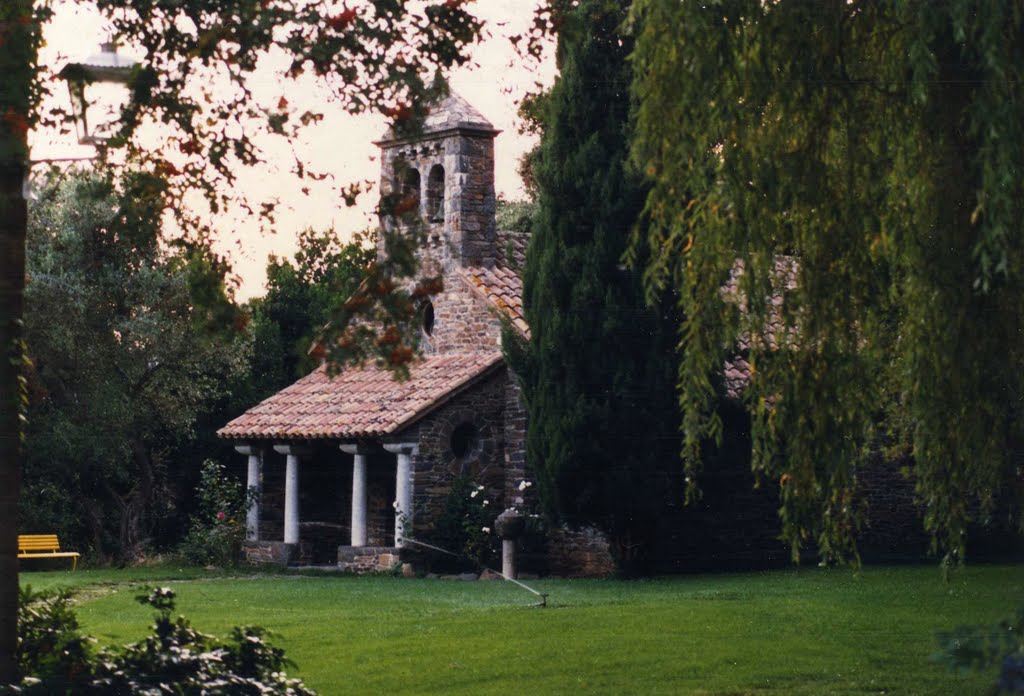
{"points": [[346, 466]]}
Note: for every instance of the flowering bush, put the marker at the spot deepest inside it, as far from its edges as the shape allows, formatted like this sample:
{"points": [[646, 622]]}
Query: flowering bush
{"points": [[217, 530], [465, 527]]}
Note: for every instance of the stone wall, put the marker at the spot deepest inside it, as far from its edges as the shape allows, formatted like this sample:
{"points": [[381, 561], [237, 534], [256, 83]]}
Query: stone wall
{"points": [[515, 444], [367, 559], [461, 321], [894, 527], [578, 553], [466, 234], [437, 464], [271, 553]]}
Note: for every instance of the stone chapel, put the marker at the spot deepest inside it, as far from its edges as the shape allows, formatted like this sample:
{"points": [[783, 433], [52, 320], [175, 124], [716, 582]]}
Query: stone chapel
{"points": [[343, 465]]}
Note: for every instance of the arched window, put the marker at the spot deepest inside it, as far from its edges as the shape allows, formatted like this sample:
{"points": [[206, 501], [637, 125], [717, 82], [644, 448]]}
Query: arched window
{"points": [[428, 318], [410, 188], [435, 194], [465, 440]]}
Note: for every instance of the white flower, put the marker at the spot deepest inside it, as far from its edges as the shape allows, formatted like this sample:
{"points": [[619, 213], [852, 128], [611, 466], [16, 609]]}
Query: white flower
{"points": [[473, 494], [523, 485], [485, 530], [479, 488], [486, 502]]}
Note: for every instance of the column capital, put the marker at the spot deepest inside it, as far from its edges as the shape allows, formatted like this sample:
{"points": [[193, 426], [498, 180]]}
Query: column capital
{"points": [[249, 449], [357, 448], [402, 447], [295, 450]]}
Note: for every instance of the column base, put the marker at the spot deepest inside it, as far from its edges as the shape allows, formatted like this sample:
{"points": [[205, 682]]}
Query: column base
{"points": [[368, 559], [272, 553]]}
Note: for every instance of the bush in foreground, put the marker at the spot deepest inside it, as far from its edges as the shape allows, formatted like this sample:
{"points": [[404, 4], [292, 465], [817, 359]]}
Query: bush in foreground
{"points": [[176, 659], [983, 647]]}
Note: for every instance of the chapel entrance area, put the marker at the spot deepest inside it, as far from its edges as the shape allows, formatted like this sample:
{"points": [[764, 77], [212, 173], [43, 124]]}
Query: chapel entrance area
{"points": [[324, 475]]}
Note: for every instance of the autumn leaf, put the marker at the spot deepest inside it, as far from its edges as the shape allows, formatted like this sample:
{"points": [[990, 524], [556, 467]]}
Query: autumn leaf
{"points": [[340, 22], [16, 122]]}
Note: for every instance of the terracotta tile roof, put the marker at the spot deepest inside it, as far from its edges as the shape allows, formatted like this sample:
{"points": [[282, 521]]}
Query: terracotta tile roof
{"points": [[360, 402], [501, 287], [736, 376], [511, 249]]}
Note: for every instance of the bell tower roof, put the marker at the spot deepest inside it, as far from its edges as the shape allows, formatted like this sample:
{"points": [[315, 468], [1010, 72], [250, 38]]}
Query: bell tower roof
{"points": [[451, 113], [455, 112]]}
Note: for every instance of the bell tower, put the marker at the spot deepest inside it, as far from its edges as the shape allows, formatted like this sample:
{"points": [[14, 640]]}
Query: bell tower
{"points": [[447, 171]]}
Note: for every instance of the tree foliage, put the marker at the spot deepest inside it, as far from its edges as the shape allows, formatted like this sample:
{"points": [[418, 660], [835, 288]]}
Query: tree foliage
{"points": [[595, 375], [375, 54], [859, 162], [301, 298], [127, 354]]}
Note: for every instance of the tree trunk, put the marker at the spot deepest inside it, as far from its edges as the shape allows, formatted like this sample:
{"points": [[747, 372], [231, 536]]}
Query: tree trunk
{"points": [[17, 57], [134, 505], [12, 283]]}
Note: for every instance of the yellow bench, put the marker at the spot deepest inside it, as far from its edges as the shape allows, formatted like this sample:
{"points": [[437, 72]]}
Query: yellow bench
{"points": [[44, 546]]}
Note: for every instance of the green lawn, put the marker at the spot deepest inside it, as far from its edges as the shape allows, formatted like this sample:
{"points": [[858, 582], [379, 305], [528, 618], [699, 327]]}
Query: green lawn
{"points": [[804, 631]]}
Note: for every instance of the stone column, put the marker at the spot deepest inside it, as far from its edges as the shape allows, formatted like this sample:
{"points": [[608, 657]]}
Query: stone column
{"points": [[253, 490], [291, 491], [509, 525], [358, 493], [403, 487]]}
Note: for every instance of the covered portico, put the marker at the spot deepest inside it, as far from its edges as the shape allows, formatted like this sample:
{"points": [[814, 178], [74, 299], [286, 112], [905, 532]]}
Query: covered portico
{"points": [[363, 419], [296, 454]]}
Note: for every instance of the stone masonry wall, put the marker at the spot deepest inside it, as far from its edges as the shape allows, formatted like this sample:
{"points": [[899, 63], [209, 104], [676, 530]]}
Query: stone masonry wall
{"points": [[461, 321], [466, 235], [579, 553], [436, 464], [515, 444], [895, 527], [367, 559]]}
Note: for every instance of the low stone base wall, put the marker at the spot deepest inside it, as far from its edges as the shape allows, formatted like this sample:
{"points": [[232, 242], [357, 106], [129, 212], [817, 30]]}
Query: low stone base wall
{"points": [[367, 559], [579, 553], [271, 552]]}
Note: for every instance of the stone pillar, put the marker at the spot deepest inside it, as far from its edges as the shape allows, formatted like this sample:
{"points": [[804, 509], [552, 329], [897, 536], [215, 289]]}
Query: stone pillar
{"points": [[509, 525], [403, 487], [358, 493], [253, 490], [508, 558], [291, 491]]}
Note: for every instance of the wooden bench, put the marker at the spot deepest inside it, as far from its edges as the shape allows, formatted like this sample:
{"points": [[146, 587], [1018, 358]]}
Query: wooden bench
{"points": [[44, 546]]}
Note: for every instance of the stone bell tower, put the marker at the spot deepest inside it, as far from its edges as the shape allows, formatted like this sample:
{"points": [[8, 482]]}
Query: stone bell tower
{"points": [[447, 170]]}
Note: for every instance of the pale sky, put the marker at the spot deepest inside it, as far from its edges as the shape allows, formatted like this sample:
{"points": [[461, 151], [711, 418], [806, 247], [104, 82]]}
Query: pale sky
{"points": [[341, 144]]}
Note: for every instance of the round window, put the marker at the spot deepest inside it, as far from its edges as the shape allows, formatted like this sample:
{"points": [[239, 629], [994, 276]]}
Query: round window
{"points": [[465, 439]]}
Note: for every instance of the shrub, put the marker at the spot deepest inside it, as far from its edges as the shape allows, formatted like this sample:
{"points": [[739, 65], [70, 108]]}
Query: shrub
{"points": [[217, 530], [466, 525], [983, 647], [176, 658], [50, 648]]}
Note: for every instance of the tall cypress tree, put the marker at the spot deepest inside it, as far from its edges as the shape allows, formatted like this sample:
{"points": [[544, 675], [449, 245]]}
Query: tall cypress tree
{"points": [[597, 376]]}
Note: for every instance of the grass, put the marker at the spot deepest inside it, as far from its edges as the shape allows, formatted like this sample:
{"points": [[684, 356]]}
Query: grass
{"points": [[808, 631]]}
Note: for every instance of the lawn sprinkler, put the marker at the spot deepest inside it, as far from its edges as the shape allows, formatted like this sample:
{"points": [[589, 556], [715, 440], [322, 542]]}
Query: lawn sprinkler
{"points": [[543, 595]]}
